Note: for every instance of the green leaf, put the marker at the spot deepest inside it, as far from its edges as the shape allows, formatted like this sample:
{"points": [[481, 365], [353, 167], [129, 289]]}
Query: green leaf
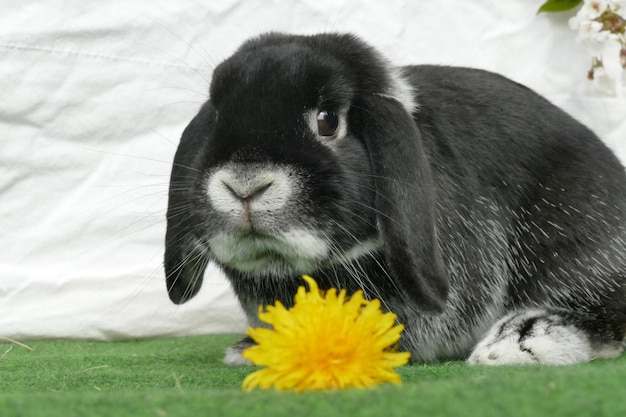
{"points": [[558, 5]]}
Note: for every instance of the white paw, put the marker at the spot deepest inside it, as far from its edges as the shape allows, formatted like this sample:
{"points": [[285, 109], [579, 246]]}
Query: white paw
{"points": [[233, 357], [532, 337]]}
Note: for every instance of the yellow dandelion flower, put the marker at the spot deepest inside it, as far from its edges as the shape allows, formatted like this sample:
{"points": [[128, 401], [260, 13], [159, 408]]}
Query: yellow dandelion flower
{"points": [[325, 341]]}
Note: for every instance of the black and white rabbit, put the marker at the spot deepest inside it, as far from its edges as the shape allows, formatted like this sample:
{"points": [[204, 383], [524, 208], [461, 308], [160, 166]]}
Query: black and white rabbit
{"points": [[490, 221]]}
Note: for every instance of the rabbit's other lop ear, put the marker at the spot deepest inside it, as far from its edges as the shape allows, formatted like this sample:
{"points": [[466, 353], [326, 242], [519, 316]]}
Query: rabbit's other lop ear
{"points": [[405, 202], [185, 257]]}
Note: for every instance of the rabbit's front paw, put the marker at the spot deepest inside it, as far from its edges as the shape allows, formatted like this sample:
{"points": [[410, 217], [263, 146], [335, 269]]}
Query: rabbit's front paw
{"points": [[233, 356]]}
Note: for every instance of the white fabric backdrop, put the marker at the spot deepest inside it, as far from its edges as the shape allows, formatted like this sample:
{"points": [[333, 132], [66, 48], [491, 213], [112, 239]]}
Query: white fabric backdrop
{"points": [[94, 97]]}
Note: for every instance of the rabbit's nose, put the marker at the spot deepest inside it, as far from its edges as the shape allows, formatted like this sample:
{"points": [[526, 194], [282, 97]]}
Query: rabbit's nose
{"points": [[261, 189], [248, 192]]}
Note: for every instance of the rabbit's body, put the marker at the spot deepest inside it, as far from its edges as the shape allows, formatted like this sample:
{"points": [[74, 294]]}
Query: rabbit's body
{"points": [[466, 203]]}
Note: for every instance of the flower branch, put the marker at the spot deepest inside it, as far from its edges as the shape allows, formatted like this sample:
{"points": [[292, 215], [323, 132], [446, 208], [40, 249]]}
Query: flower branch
{"points": [[601, 26]]}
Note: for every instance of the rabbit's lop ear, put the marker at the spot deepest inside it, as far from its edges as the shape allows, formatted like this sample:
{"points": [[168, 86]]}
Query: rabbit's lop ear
{"points": [[405, 201], [186, 257]]}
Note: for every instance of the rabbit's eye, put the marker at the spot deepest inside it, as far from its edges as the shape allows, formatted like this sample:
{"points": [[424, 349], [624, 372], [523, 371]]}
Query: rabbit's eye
{"points": [[327, 123]]}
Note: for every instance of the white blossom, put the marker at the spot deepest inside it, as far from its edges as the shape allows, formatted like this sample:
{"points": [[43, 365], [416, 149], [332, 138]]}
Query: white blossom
{"points": [[601, 84], [591, 35], [618, 6], [592, 9]]}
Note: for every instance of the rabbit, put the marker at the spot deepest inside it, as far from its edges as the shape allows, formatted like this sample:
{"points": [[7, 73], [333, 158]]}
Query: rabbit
{"points": [[486, 218]]}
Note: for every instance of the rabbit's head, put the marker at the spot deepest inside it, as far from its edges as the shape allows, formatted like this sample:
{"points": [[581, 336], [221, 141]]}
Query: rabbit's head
{"points": [[305, 156]]}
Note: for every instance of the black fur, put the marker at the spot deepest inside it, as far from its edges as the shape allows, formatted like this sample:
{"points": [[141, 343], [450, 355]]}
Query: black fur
{"points": [[487, 199]]}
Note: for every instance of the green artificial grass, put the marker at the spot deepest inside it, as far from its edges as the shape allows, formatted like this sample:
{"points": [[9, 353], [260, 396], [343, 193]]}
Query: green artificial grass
{"points": [[185, 377]]}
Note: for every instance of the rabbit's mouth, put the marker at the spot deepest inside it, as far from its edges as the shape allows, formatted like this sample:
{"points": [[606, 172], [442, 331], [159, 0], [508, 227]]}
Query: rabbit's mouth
{"points": [[296, 251]]}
